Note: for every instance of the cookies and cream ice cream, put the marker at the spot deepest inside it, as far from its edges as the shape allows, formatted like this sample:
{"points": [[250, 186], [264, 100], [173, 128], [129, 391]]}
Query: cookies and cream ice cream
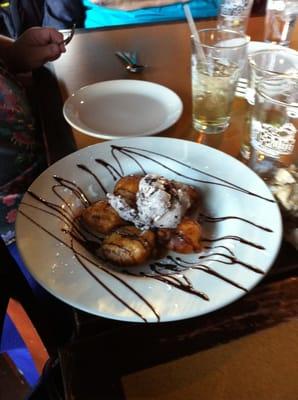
{"points": [[160, 203]]}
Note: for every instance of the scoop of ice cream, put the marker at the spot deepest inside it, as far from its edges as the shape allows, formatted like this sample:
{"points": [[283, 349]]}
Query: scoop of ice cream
{"points": [[160, 203], [124, 210]]}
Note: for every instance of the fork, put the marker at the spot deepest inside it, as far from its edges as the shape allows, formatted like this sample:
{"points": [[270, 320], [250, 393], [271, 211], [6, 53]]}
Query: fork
{"points": [[70, 35], [244, 91], [130, 61]]}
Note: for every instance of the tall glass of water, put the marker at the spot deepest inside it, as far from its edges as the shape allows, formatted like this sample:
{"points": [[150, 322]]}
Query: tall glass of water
{"points": [[217, 58], [234, 14]]}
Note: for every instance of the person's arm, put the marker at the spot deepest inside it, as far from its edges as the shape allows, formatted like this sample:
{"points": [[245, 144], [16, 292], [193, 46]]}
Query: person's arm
{"points": [[32, 49], [134, 4]]}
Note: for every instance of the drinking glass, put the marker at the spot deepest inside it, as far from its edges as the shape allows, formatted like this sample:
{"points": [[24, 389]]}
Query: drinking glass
{"points": [[274, 124], [217, 58], [234, 14], [281, 16], [265, 64]]}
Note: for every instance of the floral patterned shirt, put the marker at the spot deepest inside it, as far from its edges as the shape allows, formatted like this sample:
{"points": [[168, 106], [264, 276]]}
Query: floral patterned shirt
{"points": [[20, 153]]}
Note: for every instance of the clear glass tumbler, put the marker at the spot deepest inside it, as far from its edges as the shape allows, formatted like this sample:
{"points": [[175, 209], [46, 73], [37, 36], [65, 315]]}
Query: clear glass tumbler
{"points": [[234, 14], [265, 64], [281, 16], [274, 125], [217, 58]]}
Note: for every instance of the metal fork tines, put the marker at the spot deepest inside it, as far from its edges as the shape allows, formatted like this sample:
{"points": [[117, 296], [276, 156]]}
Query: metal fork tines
{"points": [[241, 87], [69, 35], [244, 91]]}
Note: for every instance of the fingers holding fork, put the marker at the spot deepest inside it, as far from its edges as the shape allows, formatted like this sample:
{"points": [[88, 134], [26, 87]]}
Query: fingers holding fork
{"points": [[69, 35]]}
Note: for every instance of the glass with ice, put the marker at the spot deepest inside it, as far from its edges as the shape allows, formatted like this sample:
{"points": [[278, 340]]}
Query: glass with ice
{"points": [[217, 58], [281, 16]]}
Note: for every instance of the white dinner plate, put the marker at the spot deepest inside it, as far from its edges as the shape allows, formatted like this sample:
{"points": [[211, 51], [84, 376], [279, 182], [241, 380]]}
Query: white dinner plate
{"points": [[121, 108], [241, 227], [257, 46]]}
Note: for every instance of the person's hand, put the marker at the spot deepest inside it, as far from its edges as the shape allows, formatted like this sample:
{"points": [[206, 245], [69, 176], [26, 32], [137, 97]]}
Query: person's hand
{"points": [[134, 4], [35, 47]]}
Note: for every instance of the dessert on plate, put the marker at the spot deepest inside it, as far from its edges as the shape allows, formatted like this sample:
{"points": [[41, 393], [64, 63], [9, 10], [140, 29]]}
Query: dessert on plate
{"points": [[145, 216]]}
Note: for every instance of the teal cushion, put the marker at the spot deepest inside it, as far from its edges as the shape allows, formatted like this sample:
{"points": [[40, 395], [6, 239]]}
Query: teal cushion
{"points": [[98, 16]]}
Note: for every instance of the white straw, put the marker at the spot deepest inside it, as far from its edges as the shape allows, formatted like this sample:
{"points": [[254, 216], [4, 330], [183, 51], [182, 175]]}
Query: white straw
{"points": [[191, 22], [193, 30]]}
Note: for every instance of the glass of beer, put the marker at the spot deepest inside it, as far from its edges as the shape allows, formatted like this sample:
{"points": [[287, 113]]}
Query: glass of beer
{"points": [[217, 57]]}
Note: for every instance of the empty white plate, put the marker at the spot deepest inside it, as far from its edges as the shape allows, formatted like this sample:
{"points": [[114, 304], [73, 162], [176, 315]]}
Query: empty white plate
{"points": [[257, 46], [122, 108]]}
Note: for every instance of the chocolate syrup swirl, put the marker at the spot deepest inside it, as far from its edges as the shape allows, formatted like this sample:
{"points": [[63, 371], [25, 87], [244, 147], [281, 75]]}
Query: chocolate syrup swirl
{"points": [[81, 256], [237, 239], [168, 271], [133, 152], [207, 218], [84, 168], [230, 260], [204, 268]]}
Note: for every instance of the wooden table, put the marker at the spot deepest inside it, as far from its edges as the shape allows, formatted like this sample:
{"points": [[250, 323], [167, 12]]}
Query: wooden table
{"points": [[165, 49]]}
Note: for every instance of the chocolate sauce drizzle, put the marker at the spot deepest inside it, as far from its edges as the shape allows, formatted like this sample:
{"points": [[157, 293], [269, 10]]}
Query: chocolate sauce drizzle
{"points": [[133, 151], [80, 256], [237, 239], [169, 271], [207, 218]]}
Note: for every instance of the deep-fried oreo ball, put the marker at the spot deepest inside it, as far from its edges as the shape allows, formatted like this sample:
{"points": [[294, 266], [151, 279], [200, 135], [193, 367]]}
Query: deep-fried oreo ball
{"points": [[194, 198], [127, 188], [100, 217], [128, 246], [186, 238]]}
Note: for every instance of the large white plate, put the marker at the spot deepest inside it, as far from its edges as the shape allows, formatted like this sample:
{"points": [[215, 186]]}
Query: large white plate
{"points": [[244, 234], [257, 46], [122, 108]]}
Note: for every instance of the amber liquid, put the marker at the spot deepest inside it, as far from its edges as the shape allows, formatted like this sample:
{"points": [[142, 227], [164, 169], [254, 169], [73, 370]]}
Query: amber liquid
{"points": [[213, 88]]}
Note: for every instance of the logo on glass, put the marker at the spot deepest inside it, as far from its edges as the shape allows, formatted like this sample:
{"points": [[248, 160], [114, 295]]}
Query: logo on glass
{"points": [[273, 140], [234, 7]]}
